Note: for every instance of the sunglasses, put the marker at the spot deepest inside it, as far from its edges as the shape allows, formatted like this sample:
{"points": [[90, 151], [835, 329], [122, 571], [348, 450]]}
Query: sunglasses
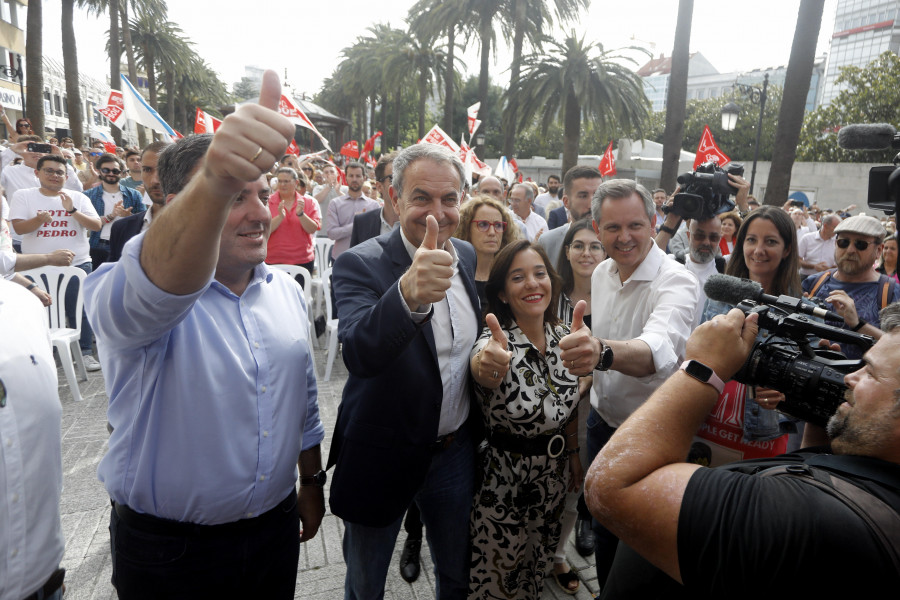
{"points": [[485, 225], [106, 171], [844, 243]]}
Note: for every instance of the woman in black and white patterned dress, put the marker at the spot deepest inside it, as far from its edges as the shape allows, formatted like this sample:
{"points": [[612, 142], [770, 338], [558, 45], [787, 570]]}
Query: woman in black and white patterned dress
{"points": [[528, 412]]}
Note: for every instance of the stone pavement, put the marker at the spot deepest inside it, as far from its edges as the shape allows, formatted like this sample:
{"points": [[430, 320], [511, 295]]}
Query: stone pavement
{"points": [[85, 510]]}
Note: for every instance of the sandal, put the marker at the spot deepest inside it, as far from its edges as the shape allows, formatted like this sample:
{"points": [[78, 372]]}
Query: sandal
{"points": [[565, 580]]}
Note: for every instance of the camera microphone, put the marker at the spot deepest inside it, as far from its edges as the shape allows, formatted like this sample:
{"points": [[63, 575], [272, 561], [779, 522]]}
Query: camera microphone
{"points": [[734, 290], [876, 136]]}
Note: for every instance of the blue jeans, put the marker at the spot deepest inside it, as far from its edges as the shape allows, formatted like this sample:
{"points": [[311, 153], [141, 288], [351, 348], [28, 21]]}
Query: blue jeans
{"points": [[445, 502], [87, 335], [598, 433]]}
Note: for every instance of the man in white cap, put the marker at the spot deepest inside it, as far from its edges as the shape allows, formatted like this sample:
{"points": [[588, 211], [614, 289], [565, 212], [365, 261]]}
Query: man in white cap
{"points": [[855, 290]]}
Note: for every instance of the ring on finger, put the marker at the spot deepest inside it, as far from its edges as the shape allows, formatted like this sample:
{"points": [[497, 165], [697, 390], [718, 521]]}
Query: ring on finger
{"points": [[495, 375], [255, 156]]}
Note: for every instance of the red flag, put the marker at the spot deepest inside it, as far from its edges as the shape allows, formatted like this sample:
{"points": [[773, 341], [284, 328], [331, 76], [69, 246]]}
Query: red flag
{"points": [[289, 109], [110, 147], [370, 143], [205, 122], [514, 165], [293, 149], [178, 135], [439, 137], [707, 150], [608, 162], [114, 109], [350, 149]]}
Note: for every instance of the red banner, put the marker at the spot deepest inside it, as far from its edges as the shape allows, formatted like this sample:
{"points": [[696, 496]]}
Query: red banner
{"points": [[370, 143], [114, 108], [608, 162], [293, 149], [205, 122], [350, 149], [707, 150], [439, 137]]}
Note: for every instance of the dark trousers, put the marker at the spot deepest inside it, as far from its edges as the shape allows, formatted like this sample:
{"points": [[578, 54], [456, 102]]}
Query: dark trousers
{"points": [[99, 254], [256, 558], [598, 433], [86, 342]]}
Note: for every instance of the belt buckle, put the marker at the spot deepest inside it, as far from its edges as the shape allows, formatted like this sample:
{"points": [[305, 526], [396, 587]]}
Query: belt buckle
{"points": [[562, 445]]}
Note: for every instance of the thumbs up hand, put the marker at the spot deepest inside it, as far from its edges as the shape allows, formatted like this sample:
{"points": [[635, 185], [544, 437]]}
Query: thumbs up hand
{"points": [[248, 142], [580, 349], [491, 364], [428, 278]]}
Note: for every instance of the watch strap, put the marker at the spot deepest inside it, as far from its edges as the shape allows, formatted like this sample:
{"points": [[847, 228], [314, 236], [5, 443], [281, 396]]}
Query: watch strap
{"points": [[318, 479], [713, 379]]}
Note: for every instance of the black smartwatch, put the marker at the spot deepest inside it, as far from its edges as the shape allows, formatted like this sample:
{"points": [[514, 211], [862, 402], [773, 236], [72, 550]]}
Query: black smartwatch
{"points": [[703, 374], [72, 212], [606, 357], [318, 479]]}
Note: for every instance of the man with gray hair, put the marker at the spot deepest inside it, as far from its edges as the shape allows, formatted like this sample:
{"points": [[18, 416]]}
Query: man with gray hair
{"points": [[409, 318], [648, 304], [817, 249], [520, 199]]}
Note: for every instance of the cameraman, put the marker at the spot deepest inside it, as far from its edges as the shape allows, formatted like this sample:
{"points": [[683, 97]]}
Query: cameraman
{"points": [[728, 534]]}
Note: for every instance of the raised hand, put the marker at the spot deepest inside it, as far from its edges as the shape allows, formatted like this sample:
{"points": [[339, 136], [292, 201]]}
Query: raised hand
{"points": [[580, 349], [119, 209], [66, 201], [44, 216], [495, 357], [428, 278]]}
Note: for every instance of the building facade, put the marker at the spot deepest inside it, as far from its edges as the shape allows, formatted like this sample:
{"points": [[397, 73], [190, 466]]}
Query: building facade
{"points": [[12, 58]]}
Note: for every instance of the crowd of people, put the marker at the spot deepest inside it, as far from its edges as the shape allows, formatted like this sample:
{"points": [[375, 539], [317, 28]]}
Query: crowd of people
{"points": [[526, 363]]}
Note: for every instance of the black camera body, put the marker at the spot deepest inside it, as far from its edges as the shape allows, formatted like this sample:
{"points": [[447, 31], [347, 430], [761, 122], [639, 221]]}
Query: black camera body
{"points": [[706, 192], [811, 379]]}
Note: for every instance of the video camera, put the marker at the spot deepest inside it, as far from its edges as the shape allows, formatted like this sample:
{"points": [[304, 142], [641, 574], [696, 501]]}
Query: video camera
{"points": [[705, 192], [884, 181], [811, 379]]}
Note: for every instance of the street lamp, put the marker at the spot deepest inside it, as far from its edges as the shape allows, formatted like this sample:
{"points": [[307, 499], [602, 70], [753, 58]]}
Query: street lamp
{"points": [[731, 110], [479, 140], [16, 73]]}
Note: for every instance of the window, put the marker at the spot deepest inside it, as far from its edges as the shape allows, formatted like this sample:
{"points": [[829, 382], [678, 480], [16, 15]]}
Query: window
{"points": [[57, 108]]}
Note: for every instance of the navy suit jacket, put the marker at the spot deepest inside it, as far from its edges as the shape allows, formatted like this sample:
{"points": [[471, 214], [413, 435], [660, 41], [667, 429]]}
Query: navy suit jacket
{"points": [[122, 231], [366, 225], [557, 218], [391, 404]]}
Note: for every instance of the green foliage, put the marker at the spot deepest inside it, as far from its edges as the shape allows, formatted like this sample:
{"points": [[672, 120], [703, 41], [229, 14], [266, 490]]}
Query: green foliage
{"points": [[246, 89], [489, 114], [871, 96], [738, 144]]}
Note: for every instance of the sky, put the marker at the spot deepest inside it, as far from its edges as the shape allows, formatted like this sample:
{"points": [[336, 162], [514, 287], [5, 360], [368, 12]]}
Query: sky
{"points": [[303, 40]]}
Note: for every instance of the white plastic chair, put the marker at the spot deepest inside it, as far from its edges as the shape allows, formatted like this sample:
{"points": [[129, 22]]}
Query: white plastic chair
{"points": [[331, 325], [55, 281], [323, 254], [297, 271]]}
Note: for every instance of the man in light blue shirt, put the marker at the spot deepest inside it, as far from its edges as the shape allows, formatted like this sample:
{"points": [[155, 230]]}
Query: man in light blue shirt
{"points": [[211, 383]]}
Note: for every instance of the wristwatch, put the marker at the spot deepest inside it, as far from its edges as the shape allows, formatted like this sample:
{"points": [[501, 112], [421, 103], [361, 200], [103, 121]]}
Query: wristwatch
{"points": [[72, 212], [703, 374], [606, 357], [318, 479]]}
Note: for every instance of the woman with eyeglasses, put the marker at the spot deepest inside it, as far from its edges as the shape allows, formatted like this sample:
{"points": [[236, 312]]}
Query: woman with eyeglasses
{"points": [[744, 424], [295, 220], [580, 254], [488, 226]]}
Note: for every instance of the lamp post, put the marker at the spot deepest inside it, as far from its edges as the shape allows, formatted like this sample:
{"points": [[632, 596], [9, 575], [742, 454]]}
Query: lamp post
{"points": [[16, 73], [731, 110], [479, 140]]}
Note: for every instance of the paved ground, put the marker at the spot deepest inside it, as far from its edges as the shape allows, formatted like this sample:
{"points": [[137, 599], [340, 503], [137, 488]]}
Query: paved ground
{"points": [[85, 510]]}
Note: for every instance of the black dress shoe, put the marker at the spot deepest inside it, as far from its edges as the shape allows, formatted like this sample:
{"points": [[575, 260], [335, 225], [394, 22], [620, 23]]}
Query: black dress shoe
{"points": [[584, 537], [409, 559]]}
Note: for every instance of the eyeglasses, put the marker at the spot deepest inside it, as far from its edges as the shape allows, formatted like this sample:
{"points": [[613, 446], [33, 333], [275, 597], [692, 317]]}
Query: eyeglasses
{"points": [[702, 237], [106, 171], [391, 178], [307, 169], [485, 225], [844, 243], [593, 247], [53, 172]]}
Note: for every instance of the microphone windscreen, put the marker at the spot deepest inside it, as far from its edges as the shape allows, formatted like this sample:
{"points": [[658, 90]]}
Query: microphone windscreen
{"points": [[876, 136], [731, 290]]}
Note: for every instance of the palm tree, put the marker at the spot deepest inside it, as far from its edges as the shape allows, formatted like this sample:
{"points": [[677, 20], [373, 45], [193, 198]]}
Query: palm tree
{"points": [[793, 101], [436, 18], [529, 18], [70, 67], [156, 40], [111, 7], [676, 97], [34, 72], [415, 56], [486, 11], [574, 80]]}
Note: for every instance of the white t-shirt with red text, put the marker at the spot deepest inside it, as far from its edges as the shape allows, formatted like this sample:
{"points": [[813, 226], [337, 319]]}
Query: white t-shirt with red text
{"points": [[62, 232]]}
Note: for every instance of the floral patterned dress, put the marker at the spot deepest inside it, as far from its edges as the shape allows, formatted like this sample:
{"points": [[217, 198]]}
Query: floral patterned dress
{"points": [[517, 512]]}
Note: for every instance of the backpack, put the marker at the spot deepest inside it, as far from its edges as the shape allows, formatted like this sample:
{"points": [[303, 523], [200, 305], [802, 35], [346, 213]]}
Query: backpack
{"points": [[884, 283]]}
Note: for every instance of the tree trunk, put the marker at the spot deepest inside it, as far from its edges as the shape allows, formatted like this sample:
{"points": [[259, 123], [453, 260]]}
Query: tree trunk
{"points": [[449, 79], [132, 65], [483, 76], [34, 51], [676, 98], [115, 59], [511, 116], [423, 96], [385, 148], [70, 66], [793, 101], [397, 119], [150, 63], [170, 94], [571, 131]]}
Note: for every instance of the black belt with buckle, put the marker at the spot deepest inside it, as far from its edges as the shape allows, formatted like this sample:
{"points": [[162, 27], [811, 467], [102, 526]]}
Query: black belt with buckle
{"points": [[54, 583], [444, 442], [550, 444]]}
